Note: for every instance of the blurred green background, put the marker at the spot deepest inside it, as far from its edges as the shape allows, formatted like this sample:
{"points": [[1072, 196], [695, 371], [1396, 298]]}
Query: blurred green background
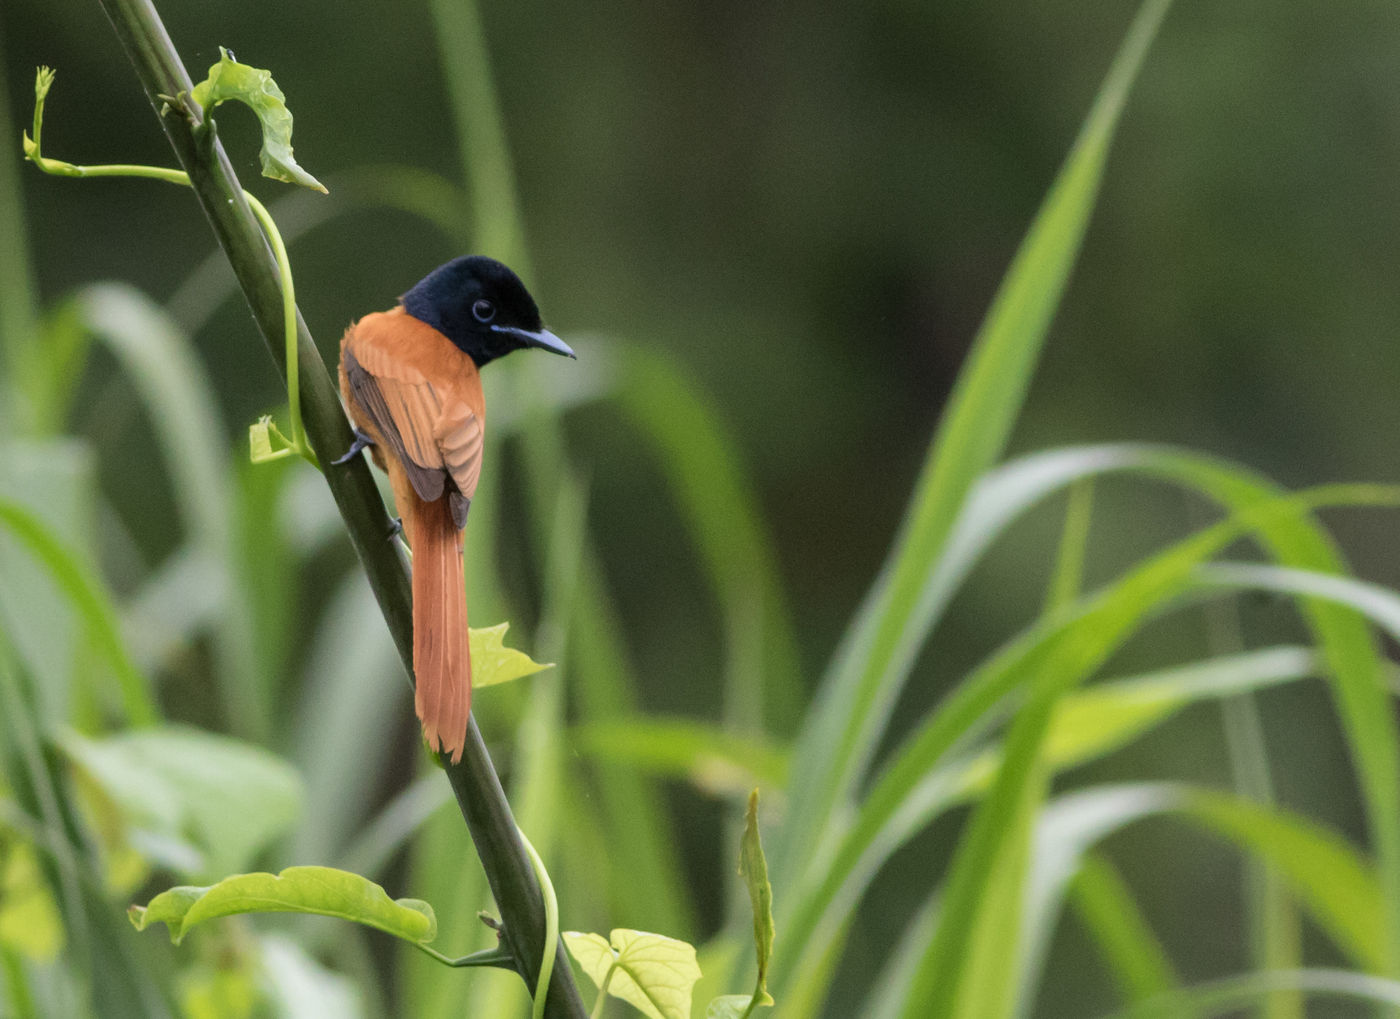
{"points": [[808, 207]]}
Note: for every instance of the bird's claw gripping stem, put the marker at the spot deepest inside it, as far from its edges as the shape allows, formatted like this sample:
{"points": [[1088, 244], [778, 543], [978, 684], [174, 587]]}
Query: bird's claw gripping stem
{"points": [[362, 440]]}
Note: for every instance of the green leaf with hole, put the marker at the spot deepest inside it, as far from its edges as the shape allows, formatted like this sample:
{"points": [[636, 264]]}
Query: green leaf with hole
{"points": [[324, 891], [753, 868], [652, 972], [493, 662], [254, 88]]}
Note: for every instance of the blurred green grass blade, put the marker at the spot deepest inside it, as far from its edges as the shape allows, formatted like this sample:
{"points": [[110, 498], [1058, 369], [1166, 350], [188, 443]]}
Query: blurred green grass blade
{"points": [[913, 786], [343, 732], [18, 301], [717, 504], [1089, 724], [878, 651], [1334, 606], [540, 778], [645, 881], [896, 806], [447, 873], [1229, 996], [977, 977], [876, 655], [299, 985], [174, 604], [226, 798], [1067, 580], [54, 479], [1068, 829], [392, 827], [711, 759], [1381, 605], [1275, 935], [645, 875], [481, 135], [32, 778], [888, 996], [1329, 877], [84, 590], [54, 368], [1135, 957], [992, 960], [158, 358], [954, 974], [1007, 492], [1332, 880]]}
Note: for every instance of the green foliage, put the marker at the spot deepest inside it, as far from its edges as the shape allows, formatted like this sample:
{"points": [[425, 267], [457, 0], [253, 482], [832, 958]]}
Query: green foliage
{"points": [[875, 658], [106, 658], [718, 762], [230, 81], [200, 804], [734, 1006], [652, 972], [30, 923], [320, 890], [493, 662], [754, 870]]}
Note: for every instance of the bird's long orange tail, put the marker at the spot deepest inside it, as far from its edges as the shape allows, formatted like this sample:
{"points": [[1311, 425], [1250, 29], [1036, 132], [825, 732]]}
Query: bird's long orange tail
{"points": [[441, 651]]}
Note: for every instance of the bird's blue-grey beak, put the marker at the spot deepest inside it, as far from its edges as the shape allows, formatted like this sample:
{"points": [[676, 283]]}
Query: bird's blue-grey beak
{"points": [[544, 339]]}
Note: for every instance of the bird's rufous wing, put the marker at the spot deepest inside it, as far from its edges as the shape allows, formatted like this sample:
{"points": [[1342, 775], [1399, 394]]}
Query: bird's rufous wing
{"points": [[434, 432]]}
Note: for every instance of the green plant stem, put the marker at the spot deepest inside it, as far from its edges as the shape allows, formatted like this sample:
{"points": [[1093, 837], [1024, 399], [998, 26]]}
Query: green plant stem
{"points": [[297, 443], [551, 934], [603, 993], [500, 958], [474, 782]]}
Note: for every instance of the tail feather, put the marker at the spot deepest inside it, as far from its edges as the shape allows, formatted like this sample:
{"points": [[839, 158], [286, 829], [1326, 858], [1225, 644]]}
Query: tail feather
{"points": [[441, 651]]}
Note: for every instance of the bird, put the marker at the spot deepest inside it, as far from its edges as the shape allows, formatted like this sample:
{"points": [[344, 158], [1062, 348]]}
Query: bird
{"points": [[410, 379]]}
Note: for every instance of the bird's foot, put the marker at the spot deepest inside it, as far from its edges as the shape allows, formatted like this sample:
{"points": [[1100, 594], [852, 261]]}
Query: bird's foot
{"points": [[362, 440], [395, 528]]}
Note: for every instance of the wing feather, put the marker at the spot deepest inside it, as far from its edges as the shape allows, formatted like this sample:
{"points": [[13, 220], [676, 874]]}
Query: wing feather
{"points": [[438, 440]]}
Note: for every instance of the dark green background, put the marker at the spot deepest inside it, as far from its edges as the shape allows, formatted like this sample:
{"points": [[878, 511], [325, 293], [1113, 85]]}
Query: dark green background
{"points": [[809, 207]]}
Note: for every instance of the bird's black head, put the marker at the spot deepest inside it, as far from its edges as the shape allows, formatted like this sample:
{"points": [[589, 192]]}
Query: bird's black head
{"points": [[482, 307]]}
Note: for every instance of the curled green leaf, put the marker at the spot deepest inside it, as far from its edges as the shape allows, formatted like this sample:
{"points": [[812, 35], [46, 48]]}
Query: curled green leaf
{"points": [[266, 441], [753, 867], [321, 890], [493, 662], [254, 88]]}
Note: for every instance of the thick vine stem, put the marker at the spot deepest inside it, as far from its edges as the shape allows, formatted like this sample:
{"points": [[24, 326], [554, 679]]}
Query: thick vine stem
{"points": [[474, 781]]}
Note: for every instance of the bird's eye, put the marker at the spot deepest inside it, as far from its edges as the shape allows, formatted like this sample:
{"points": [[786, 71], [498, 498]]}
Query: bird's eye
{"points": [[483, 310]]}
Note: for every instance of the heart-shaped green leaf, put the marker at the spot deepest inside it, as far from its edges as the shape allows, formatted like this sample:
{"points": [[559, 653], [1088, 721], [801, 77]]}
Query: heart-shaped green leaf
{"points": [[652, 972]]}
